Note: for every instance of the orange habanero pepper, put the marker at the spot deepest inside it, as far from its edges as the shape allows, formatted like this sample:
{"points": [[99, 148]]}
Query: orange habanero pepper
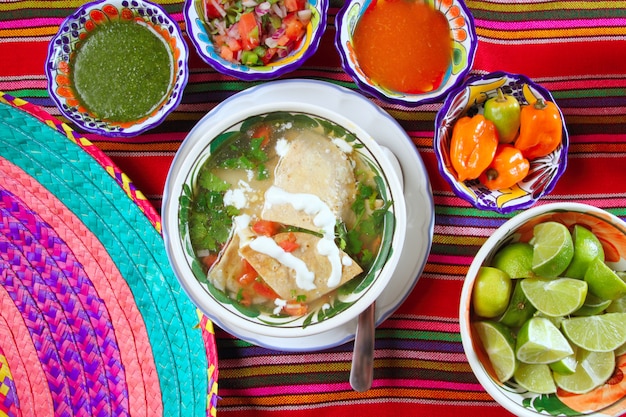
{"points": [[507, 168], [473, 146], [541, 129]]}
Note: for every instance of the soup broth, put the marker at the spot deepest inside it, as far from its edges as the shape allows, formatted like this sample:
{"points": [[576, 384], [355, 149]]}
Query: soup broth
{"points": [[285, 211]]}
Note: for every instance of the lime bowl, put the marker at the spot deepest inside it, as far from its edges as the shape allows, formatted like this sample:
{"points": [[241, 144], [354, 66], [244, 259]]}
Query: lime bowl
{"points": [[608, 399]]}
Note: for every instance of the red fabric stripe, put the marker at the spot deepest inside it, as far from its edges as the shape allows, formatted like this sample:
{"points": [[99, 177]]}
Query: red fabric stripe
{"points": [[546, 60], [24, 61]]}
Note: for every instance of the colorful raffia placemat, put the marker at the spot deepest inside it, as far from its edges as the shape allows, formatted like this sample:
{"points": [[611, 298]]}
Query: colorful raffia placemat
{"points": [[92, 319]]}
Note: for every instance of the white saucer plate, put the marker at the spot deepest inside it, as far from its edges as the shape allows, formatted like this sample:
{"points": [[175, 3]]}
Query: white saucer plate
{"points": [[418, 195]]}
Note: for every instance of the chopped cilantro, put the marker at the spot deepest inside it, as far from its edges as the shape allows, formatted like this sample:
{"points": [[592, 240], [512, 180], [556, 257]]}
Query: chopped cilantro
{"points": [[212, 182]]}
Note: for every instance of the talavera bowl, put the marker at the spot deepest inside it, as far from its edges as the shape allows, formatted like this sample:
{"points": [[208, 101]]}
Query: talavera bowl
{"points": [[608, 400], [464, 41], [201, 39], [72, 32], [468, 100]]}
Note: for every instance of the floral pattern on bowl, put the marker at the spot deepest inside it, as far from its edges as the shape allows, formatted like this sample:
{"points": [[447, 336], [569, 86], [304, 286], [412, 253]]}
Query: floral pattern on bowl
{"points": [[348, 293], [464, 49], [606, 400], [469, 99], [201, 39], [76, 27]]}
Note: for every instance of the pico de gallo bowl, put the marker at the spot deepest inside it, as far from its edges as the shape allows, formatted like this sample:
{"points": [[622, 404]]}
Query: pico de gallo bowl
{"points": [[255, 39]]}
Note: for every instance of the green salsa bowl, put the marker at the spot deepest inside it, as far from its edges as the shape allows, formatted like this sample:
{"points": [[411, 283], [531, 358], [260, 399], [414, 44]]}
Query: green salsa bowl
{"points": [[117, 67]]}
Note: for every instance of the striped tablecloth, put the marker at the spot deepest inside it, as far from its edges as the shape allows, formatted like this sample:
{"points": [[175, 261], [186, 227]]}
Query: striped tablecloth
{"points": [[576, 49]]}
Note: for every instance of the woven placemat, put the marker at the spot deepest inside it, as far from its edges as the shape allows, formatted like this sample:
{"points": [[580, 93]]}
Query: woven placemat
{"points": [[93, 321]]}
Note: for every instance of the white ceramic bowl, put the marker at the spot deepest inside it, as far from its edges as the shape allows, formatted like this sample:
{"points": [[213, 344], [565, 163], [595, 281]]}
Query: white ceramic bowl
{"points": [[607, 400], [227, 117], [202, 41], [61, 51], [464, 39]]}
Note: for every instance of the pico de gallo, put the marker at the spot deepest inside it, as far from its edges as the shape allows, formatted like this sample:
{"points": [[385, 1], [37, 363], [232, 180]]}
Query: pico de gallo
{"points": [[256, 32]]}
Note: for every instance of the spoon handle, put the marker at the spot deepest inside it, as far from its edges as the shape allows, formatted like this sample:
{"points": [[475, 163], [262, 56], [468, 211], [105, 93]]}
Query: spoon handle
{"points": [[362, 371]]}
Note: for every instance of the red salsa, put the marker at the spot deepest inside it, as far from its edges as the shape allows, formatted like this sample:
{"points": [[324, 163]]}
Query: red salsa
{"points": [[403, 45]]}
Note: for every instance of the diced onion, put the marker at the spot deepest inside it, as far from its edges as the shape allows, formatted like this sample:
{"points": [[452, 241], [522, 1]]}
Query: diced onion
{"points": [[263, 8], [218, 7], [280, 12], [304, 15], [271, 42]]}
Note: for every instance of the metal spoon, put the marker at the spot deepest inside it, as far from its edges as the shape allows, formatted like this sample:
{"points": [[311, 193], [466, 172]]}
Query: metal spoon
{"points": [[362, 371]]}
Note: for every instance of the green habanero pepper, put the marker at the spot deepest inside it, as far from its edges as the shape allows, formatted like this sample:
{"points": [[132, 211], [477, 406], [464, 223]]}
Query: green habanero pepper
{"points": [[504, 111]]}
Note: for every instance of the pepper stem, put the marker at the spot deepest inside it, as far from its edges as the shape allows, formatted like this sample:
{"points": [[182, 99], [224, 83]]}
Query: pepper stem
{"points": [[540, 104], [500, 98], [491, 174]]}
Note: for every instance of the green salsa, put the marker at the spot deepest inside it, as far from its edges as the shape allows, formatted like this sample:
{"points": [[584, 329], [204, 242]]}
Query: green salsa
{"points": [[121, 71]]}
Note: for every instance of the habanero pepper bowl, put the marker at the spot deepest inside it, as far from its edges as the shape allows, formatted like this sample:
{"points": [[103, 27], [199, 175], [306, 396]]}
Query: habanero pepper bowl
{"points": [[117, 67], [255, 39], [428, 84], [282, 218], [607, 399], [469, 100]]}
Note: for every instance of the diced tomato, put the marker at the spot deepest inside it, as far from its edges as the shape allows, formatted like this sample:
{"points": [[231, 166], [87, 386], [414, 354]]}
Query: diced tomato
{"points": [[245, 297], [269, 54], [294, 28], [295, 309], [227, 53], [248, 273], [249, 31], [289, 244], [209, 260], [283, 40], [211, 9], [295, 5], [265, 227], [263, 131], [233, 44], [264, 290]]}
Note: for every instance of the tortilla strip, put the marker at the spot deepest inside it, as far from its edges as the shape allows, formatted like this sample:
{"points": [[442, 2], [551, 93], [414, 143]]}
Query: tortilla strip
{"points": [[228, 267], [313, 165], [282, 278]]}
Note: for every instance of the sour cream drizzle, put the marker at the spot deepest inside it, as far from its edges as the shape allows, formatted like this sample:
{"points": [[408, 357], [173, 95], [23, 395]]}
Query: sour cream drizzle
{"points": [[267, 246], [323, 218], [309, 203]]}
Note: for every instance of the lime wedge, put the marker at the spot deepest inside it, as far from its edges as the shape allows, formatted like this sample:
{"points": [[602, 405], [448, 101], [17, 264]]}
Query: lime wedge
{"points": [[555, 297], [498, 342], [603, 281], [553, 249], [491, 293], [620, 350], [617, 306], [593, 370], [592, 306], [516, 259], [601, 333], [540, 341], [519, 309], [535, 378], [587, 247], [567, 365]]}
